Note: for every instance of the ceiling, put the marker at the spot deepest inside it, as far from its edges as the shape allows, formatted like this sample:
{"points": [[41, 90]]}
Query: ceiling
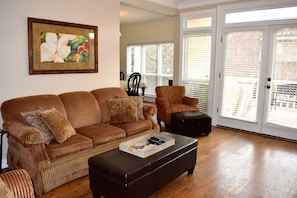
{"points": [[130, 15], [146, 10], [181, 4]]}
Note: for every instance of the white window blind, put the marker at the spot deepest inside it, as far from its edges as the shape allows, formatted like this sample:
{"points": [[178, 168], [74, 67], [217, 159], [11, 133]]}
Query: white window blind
{"points": [[197, 63]]}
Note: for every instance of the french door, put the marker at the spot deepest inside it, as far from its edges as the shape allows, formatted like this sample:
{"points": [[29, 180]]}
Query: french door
{"points": [[258, 80]]}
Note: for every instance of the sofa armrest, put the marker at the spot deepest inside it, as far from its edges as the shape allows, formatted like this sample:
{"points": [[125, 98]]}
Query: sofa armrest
{"points": [[149, 110], [190, 101], [162, 102], [24, 133], [19, 183]]}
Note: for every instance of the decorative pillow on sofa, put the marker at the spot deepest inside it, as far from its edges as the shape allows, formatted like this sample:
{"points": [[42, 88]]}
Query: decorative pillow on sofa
{"points": [[32, 119], [58, 124], [139, 102], [122, 110]]}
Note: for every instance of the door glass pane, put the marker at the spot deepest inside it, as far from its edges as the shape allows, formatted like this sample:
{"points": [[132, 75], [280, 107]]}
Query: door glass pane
{"points": [[241, 75], [283, 97]]}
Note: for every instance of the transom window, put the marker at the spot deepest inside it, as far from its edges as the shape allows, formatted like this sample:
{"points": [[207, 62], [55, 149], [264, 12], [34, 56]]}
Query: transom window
{"points": [[198, 22], [262, 15]]}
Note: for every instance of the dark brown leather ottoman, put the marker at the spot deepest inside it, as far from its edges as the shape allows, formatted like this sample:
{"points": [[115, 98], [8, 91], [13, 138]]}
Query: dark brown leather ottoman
{"points": [[120, 174], [191, 123]]}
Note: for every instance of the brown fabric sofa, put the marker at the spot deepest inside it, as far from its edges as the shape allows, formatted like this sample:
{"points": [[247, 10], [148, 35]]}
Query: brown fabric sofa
{"points": [[66, 157]]}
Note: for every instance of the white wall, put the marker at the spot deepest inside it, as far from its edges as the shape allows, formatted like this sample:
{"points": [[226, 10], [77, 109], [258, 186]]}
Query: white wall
{"points": [[15, 80]]}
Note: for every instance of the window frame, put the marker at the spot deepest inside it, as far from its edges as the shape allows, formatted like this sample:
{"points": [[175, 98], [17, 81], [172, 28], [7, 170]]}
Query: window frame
{"points": [[142, 69], [199, 30]]}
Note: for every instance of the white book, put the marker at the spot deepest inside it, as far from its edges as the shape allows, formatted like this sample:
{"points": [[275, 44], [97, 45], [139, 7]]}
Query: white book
{"points": [[147, 145]]}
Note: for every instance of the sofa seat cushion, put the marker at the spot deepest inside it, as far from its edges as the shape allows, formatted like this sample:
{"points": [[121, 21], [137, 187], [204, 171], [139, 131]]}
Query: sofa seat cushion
{"points": [[102, 133], [132, 128], [72, 145]]}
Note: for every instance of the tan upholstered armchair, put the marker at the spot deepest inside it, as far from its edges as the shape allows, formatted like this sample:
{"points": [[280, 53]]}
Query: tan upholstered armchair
{"points": [[171, 99], [16, 184]]}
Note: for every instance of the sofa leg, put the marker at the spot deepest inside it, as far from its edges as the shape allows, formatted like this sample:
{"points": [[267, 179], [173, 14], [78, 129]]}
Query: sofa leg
{"points": [[96, 195], [159, 121], [167, 126]]}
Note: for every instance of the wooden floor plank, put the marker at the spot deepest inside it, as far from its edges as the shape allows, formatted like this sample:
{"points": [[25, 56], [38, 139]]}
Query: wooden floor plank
{"points": [[230, 164]]}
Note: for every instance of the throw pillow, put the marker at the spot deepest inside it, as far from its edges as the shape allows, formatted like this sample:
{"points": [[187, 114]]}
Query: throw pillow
{"points": [[58, 124], [32, 119], [122, 110], [139, 102]]}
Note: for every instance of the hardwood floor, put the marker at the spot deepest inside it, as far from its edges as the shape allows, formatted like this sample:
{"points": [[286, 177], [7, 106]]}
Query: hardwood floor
{"points": [[230, 164]]}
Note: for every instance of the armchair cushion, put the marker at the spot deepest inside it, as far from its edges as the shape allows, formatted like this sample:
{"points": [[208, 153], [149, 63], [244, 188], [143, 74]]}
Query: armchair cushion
{"points": [[190, 101]]}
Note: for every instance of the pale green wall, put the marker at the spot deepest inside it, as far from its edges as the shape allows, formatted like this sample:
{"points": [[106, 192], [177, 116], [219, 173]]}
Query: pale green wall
{"points": [[143, 33]]}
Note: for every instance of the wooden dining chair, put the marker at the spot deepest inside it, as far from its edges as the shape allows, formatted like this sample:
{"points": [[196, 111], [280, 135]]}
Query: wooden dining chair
{"points": [[133, 84]]}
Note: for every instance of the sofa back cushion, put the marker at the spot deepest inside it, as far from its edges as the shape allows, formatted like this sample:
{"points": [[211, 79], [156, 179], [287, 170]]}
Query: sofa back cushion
{"points": [[12, 109], [82, 108], [103, 95]]}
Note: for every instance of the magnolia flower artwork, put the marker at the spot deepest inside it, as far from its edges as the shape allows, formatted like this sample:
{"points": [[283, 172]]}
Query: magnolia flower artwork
{"points": [[60, 48], [57, 47]]}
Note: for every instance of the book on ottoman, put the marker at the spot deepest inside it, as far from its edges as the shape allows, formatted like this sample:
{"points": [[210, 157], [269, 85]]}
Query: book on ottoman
{"points": [[147, 145]]}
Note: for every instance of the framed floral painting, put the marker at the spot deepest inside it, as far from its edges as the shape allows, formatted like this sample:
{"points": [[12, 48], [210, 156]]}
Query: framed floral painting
{"points": [[60, 47]]}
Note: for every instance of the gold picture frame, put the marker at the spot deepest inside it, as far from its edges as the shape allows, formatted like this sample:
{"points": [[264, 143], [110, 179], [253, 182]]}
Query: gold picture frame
{"points": [[59, 47]]}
